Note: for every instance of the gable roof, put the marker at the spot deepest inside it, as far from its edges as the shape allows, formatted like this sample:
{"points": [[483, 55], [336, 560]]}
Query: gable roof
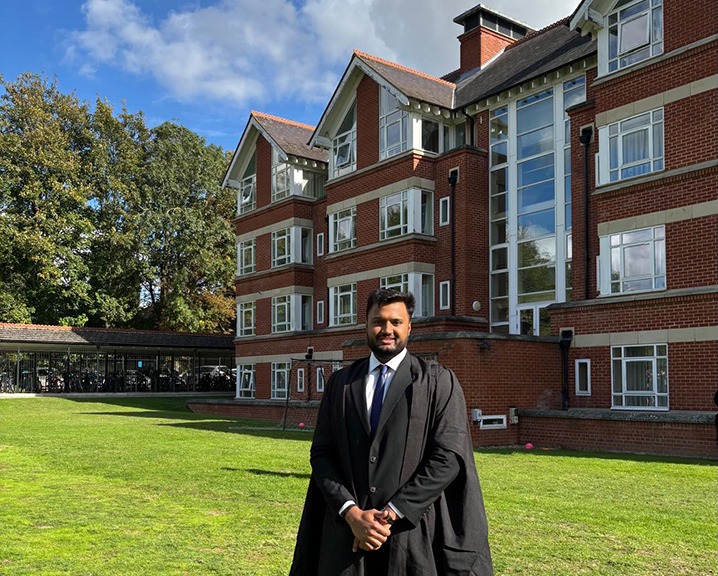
{"points": [[110, 337], [292, 137], [411, 83], [531, 57]]}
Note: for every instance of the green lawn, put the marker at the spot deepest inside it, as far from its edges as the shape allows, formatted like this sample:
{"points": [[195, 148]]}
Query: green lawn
{"points": [[144, 487]]}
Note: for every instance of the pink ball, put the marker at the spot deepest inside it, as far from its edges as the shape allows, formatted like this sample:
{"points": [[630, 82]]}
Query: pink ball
{"points": [[301, 424], [529, 446]]}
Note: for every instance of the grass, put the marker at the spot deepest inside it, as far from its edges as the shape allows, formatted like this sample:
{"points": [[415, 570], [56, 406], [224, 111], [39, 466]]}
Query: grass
{"points": [[143, 486]]}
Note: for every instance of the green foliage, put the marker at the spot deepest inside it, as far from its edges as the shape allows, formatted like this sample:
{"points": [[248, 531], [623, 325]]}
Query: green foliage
{"points": [[124, 486], [106, 222]]}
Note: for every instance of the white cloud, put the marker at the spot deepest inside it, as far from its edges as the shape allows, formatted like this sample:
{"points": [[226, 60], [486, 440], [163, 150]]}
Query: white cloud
{"points": [[235, 51]]}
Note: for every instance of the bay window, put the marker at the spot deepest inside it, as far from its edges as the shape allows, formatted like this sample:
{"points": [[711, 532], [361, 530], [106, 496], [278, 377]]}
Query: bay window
{"points": [[633, 261], [292, 245], [407, 212], [635, 32], [393, 126], [343, 305], [342, 230], [291, 313]]}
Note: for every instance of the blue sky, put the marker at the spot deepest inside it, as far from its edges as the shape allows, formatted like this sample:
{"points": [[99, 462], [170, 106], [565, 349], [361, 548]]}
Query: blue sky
{"points": [[205, 64]]}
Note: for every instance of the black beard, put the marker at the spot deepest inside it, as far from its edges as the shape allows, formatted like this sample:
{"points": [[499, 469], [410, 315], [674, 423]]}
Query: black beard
{"points": [[384, 356]]}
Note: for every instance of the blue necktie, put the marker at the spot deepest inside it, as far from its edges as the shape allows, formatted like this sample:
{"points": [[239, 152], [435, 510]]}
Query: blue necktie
{"points": [[377, 399]]}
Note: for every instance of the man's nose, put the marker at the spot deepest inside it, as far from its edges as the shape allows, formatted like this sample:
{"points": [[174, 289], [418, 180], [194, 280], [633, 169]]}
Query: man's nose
{"points": [[386, 327]]}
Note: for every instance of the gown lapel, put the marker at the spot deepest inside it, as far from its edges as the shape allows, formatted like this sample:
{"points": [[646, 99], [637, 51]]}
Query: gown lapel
{"points": [[402, 379]]}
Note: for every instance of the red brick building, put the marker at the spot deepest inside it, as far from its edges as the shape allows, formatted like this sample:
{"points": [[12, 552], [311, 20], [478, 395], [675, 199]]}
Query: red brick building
{"points": [[552, 204]]}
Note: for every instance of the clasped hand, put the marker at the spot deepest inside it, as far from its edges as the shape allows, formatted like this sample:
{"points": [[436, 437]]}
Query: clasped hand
{"points": [[370, 527]]}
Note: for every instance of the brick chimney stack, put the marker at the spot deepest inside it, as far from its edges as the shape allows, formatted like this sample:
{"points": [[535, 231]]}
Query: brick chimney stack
{"points": [[486, 34]]}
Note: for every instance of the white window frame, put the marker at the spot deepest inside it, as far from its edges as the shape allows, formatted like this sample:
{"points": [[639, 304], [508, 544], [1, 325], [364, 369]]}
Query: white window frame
{"points": [[280, 370], [445, 295], [243, 248], [612, 250], [242, 328], [444, 210], [495, 422], [300, 379], [344, 154], [391, 117], [320, 244], [337, 222], [616, 55], [281, 168], [656, 399], [320, 379], [336, 295], [320, 311], [250, 371], [298, 246], [247, 194], [416, 209], [611, 139], [420, 284], [298, 313], [582, 390]]}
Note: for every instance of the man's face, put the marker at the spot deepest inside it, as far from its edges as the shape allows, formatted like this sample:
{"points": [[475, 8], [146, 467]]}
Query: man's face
{"points": [[387, 330]]}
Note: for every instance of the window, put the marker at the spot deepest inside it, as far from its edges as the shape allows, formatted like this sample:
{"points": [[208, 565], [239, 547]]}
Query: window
{"points": [[635, 32], [245, 319], [429, 135], [281, 247], [320, 312], [245, 381], [498, 219], [308, 183], [444, 210], [280, 380], [300, 379], [583, 377], [320, 379], [247, 193], [291, 312], [631, 147], [281, 314], [281, 177], [293, 244], [344, 145], [639, 376], [393, 126], [342, 305], [492, 422], [633, 261], [406, 212], [245, 257], [444, 295], [342, 230], [420, 285], [320, 244]]}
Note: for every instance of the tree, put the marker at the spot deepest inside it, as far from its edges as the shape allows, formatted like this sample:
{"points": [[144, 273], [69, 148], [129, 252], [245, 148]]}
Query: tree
{"points": [[45, 225], [187, 253]]}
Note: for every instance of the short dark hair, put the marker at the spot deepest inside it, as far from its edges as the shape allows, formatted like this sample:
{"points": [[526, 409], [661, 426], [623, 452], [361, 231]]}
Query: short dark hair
{"points": [[383, 296]]}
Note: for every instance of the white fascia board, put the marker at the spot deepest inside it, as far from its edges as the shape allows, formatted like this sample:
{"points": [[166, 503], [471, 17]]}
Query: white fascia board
{"points": [[233, 165], [590, 14]]}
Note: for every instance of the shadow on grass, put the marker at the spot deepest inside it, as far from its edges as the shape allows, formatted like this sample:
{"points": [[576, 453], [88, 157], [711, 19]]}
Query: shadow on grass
{"points": [[625, 456], [259, 472], [269, 430]]}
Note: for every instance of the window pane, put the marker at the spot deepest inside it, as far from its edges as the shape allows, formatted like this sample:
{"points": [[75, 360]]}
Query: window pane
{"points": [[637, 260], [498, 181], [537, 252], [500, 258], [499, 153], [535, 116], [537, 197], [536, 224], [536, 142], [634, 33], [535, 170], [430, 135], [539, 279]]}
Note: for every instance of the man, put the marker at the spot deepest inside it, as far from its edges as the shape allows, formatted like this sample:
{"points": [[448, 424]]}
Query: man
{"points": [[394, 489]]}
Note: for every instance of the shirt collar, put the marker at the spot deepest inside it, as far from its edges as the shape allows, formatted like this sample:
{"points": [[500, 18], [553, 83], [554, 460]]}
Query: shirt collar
{"points": [[393, 363]]}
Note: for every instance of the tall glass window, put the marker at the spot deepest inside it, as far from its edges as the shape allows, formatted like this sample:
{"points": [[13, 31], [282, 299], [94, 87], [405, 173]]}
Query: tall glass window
{"points": [[498, 218], [393, 126]]}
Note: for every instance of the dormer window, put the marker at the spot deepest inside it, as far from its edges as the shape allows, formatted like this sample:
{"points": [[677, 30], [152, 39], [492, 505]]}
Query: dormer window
{"points": [[247, 193], [344, 146], [635, 32], [393, 126]]}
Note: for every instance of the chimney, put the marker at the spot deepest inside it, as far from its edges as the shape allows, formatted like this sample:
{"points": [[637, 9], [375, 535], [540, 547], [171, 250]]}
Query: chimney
{"points": [[486, 34]]}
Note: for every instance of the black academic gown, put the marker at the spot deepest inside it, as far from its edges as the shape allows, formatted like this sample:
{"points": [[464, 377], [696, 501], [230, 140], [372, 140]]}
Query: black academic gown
{"points": [[423, 428]]}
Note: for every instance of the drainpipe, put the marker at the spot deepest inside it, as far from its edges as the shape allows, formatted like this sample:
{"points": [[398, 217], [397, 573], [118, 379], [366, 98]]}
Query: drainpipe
{"points": [[565, 344], [585, 139], [452, 183]]}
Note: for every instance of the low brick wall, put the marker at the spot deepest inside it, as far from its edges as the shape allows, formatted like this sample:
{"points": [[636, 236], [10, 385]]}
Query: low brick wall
{"points": [[683, 434], [274, 411]]}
